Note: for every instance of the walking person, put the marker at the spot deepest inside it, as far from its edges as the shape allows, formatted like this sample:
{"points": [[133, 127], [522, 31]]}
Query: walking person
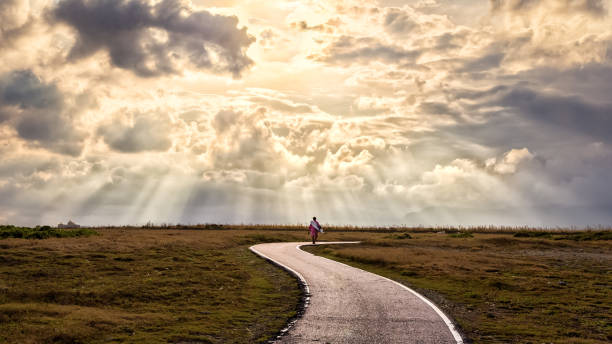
{"points": [[315, 228]]}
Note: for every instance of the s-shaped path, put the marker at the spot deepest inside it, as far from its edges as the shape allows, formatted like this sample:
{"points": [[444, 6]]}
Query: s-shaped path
{"points": [[349, 305]]}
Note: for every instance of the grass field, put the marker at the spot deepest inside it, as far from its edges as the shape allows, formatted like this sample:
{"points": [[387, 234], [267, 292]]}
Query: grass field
{"points": [[524, 287], [143, 286], [158, 285]]}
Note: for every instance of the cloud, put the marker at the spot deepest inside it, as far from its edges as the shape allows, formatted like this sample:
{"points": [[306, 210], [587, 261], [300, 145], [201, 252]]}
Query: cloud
{"points": [[590, 81], [224, 119], [399, 21], [509, 163], [329, 27], [15, 20], [440, 109], [24, 89], [482, 63], [465, 183], [152, 39], [248, 178], [594, 8], [38, 113], [324, 183], [282, 104], [348, 50], [462, 183], [246, 141], [569, 113], [146, 133], [345, 160]]}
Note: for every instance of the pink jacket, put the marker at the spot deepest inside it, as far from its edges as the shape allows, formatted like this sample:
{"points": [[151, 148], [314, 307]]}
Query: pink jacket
{"points": [[314, 230]]}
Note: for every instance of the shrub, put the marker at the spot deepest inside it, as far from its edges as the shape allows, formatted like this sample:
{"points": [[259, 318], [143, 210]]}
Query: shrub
{"points": [[587, 236], [401, 236], [461, 235], [531, 234]]}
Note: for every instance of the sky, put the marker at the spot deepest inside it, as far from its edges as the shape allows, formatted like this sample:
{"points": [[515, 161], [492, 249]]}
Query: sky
{"points": [[360, 112]]}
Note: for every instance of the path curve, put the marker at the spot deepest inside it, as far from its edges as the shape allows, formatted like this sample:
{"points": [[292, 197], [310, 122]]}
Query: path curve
{"points": [[350, 305]]}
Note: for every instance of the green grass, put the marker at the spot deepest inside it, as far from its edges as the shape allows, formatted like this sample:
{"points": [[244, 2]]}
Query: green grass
{"points": [[157, 285], [461, 235], [501, 288], [143, 287], [43, 232], [586, 236]]}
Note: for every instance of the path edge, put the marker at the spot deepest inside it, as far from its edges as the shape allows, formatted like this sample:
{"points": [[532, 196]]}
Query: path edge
{"points": [[304, 299], [451, 326]]}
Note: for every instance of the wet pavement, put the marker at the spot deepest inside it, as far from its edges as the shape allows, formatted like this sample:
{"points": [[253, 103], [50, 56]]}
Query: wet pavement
{"points": [[349, 305]]}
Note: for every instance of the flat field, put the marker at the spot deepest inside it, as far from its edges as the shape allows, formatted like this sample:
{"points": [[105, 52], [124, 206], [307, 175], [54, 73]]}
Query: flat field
{"points": [[205, 286], [500, 288], [143, 286]]}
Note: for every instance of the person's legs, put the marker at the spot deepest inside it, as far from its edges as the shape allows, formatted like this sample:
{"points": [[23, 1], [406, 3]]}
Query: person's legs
{"points": [[313, 235]]}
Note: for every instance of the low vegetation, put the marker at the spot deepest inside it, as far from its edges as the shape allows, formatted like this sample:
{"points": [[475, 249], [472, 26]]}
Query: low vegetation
{"points": [[42, 232], [143, 286], [201, 284], [514, 287], [373, 229]]}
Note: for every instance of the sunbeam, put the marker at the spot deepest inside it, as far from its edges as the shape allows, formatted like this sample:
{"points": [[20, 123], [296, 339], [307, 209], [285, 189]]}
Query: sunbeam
{"points": [[376, 112]]}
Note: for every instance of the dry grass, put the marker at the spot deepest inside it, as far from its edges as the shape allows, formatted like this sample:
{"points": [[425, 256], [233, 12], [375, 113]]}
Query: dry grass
{"points": [[203, 286], [162, 286], [500, 288]]}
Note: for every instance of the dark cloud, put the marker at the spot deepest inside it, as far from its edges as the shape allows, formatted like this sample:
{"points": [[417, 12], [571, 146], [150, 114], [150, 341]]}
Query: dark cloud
{"points": [[349, 50], [147, 133], [437, 108], [567, 112], [483, 63], [564, 117], [590, 81], [398, 22], [38, 112], [514, 5], [521, 113], [450, 41], [594, 8], [24, 89], [152, 39]]}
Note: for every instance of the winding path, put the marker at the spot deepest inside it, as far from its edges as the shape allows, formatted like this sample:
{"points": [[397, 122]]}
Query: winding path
{"points": [[349, 305]]}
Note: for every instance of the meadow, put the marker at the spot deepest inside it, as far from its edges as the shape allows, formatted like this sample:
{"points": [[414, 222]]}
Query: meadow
{"points": [[500, 286], [201, 284], [143, 286]]}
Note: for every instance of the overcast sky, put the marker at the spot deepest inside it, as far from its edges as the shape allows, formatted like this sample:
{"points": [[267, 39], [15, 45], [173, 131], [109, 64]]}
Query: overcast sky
{"points": [[429, 112]]}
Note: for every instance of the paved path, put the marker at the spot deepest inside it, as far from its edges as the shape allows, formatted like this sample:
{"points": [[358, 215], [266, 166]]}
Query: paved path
{"points": [[349, 305]]}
